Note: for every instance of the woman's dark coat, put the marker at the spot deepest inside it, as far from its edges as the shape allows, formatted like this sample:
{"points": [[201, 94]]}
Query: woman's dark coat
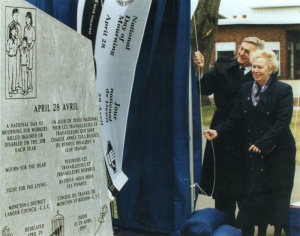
{"points": [[270, 174]]}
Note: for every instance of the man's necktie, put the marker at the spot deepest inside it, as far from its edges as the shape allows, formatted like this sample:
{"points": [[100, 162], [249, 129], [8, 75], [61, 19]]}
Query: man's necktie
{"points": [[241, 72]]}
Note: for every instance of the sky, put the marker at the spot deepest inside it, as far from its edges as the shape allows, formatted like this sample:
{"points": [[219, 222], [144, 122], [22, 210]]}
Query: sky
{"points": [[230, 7]]}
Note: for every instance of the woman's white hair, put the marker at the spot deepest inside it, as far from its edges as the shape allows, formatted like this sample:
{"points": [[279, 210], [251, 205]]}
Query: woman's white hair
{"points": [[267, 54]]}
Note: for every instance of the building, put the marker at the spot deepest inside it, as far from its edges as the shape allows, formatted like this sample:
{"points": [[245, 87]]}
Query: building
{"points": [[277, 24]]}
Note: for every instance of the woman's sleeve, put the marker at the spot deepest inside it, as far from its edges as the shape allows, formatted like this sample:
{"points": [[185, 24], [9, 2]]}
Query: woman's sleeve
{"points": [[282, 121]]}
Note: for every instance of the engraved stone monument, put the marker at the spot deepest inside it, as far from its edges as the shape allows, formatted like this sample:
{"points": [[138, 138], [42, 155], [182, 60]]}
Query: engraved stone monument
{"points": [[52, 170]]}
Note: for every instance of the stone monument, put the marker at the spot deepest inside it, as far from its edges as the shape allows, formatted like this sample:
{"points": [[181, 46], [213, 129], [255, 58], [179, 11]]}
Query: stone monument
{"points": [[52, 172]]}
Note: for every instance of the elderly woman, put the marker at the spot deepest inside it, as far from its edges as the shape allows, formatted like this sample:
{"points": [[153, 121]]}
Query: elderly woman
{"points": [[263, 110]]}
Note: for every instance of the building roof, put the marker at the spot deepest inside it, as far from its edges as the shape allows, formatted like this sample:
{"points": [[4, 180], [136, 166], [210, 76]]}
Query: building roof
{"points": [[280, 12], [274, 4], [258, 22]]}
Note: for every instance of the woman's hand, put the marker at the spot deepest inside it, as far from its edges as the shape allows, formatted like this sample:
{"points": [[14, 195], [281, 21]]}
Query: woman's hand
{"points": [[255, 149]]}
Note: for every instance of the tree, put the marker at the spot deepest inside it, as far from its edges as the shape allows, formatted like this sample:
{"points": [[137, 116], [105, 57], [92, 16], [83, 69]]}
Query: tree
{"points": [[204, 26]]}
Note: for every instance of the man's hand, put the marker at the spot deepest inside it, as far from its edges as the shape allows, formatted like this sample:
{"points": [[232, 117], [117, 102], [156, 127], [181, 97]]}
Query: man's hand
{"points": [[210, 134], [199, 59]]}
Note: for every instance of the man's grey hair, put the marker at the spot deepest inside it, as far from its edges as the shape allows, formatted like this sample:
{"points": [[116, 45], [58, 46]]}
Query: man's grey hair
{"points": [[256, 41]]}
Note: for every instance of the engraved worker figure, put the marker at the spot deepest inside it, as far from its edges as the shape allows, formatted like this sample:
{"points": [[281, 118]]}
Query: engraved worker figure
{"points": [[6, 232], [12, 48], [29, 33], [24, 65], [15, 22]]}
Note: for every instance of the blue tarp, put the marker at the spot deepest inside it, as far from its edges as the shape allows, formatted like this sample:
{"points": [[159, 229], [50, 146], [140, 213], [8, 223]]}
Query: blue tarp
{"points": [[63, 10], [156, 198]]}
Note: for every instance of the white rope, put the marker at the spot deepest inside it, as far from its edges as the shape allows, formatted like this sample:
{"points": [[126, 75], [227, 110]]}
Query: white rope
{"points": [[196, 33], [200, 189], [214, 157], [214, 183]]}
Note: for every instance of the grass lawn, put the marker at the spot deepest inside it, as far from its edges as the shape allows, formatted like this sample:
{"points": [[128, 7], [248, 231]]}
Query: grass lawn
{"points": [[207, 112]]}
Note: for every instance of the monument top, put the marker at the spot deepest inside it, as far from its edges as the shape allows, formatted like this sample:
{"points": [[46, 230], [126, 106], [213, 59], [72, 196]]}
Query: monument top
{"points": [[53, 178]]}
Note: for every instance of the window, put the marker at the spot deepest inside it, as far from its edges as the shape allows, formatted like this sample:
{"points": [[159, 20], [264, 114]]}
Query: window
{"points": [[275, 47], [290, 60], [225, 49], [297, 61]]}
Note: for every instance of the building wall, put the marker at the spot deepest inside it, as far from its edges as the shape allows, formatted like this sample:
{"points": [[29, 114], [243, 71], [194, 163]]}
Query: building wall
{"points": [[269, 33], [287, 13]]}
